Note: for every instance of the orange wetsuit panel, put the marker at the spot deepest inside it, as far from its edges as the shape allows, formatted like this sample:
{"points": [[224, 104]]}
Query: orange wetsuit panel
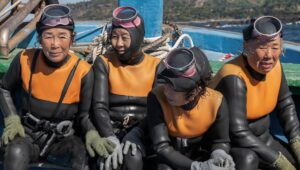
{"points": [[262, 96], [48, 82], [192, 123], [131, 80]]}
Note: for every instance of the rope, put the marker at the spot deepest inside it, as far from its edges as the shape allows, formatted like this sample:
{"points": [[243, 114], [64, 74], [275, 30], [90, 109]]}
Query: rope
{"points": [[180, 40], [157, 47], [101, 47]]}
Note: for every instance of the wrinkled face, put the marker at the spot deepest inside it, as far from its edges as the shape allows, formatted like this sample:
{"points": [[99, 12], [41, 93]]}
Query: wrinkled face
{"points": [[120, 40], [176, 98], [263, 56], [56, 43]]}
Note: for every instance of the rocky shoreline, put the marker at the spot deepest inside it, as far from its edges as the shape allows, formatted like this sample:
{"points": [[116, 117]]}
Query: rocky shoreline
{"points": [[220, 22]]}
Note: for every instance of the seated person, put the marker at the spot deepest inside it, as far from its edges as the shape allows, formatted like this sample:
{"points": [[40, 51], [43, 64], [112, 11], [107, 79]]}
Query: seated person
{"points": [[56, 92], [188, 122], [254, 85], [123, 78]]}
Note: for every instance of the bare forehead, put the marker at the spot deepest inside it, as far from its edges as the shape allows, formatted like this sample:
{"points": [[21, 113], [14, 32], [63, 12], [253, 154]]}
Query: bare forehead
{"points": [[57, 31]]}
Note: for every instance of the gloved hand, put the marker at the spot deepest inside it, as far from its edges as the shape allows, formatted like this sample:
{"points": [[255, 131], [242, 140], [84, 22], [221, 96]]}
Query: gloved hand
{"points": [[222, 159], [94, 142], [12, 128], [206, 165], [295, 146], [115, 158], [281, 163], [133, 140]]}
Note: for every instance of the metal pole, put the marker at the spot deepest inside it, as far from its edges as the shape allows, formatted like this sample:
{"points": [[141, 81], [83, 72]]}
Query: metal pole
{"points": [[12, 8], [3, 3], [152, 13], [24, 32], [12, 23]]}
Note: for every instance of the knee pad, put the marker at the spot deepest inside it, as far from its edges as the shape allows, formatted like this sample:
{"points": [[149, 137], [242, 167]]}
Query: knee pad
{"points": [[245, 159], [83, 165], [134, 162], [16, 156], [68, 152], [251, 158], [78, 147], [163, 167], [79, 157]]}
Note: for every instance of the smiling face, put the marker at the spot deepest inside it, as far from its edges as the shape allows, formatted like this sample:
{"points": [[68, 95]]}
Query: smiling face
{"points": [[120, 40], [56, 43], [263, 56]]}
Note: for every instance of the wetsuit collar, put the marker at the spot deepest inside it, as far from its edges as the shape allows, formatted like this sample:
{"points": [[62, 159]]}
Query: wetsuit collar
{"points": [[192, 104], [253, 73], [53, 64], [136, 59]]}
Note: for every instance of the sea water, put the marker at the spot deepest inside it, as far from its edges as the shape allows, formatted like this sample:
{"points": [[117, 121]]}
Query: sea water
{"points": [[291, 32]]}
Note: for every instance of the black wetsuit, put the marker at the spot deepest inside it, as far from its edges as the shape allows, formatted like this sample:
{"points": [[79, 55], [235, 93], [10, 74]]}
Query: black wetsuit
{"points": [[206, 129], [47, 82], [120, 91], [251, 97]]}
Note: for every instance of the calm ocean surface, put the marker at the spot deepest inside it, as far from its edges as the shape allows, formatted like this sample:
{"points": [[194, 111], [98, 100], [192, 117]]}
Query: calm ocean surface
{"points": [[291, 32]]}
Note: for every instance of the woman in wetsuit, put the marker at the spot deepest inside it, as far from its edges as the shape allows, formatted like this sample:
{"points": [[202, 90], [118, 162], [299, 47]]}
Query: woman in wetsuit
{"points": [[254, 85], [123, 78], [188, 122], [56, 92]]}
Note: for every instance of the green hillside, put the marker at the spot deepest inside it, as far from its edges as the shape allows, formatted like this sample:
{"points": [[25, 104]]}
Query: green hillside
{"points": [[196, 10]]}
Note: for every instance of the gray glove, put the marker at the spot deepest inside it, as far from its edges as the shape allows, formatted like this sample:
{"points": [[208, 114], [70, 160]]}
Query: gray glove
{"points": [[114, 159], [206, 165], [133, 140], [222, 159]]}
